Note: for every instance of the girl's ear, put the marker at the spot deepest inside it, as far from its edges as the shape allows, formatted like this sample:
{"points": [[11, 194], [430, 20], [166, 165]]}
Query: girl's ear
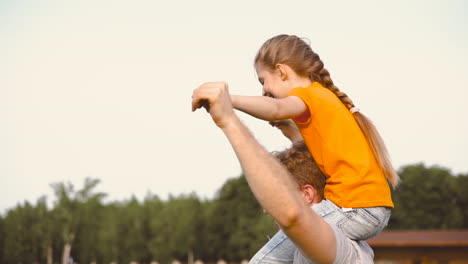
{"points": [[281, 68]]}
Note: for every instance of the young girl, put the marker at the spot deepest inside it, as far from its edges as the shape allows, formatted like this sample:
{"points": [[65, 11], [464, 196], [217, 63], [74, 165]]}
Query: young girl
{"points": [[343, 142]]}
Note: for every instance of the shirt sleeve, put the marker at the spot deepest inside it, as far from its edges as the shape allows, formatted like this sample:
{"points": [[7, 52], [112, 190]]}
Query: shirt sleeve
{"points": [[351, 251], [305, 96], [347, 251]]}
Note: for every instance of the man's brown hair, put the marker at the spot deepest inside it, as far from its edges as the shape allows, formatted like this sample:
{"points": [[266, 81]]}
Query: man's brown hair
{"points": [[300, 163]]}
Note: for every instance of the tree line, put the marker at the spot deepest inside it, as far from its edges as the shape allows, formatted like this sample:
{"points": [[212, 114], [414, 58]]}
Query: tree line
{"points": [[231, 226]]}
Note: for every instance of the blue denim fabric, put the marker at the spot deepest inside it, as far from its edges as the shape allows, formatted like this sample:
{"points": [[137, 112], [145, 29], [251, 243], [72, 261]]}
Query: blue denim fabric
{"points": [[355, 223], [278, 250]]}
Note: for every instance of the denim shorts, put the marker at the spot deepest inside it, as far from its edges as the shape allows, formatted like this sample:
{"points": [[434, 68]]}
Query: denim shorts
{"points": [[354, 223]]}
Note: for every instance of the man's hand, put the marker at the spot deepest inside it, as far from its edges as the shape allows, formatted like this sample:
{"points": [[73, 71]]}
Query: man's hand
{"points": [[214, 96]]}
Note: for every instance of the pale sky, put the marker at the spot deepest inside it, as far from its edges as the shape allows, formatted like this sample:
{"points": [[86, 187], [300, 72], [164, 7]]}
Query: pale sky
{"points": [[103, 89]]}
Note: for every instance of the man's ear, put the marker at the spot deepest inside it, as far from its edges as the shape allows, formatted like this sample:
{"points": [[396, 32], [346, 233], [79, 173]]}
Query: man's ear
{"points": [[281, 68], [310, 194]]}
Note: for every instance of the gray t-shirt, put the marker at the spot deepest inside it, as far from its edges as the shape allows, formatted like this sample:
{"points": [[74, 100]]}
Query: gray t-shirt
{"points": [[347, 251]]}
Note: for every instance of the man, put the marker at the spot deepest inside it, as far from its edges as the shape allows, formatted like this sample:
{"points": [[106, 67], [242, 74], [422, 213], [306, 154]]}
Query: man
{"points": [[316, 240], [310, 181]]}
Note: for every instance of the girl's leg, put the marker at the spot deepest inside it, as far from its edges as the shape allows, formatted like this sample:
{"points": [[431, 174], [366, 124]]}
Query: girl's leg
{"points": [[278, 250], [356, 223], [365, 223]]}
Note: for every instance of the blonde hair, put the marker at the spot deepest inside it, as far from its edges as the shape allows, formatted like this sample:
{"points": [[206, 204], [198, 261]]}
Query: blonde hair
{"points": [[297, 54]]}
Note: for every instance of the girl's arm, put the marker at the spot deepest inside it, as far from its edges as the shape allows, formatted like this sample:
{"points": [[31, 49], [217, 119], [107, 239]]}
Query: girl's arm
{"points": [[269, 109], [289, 129]]}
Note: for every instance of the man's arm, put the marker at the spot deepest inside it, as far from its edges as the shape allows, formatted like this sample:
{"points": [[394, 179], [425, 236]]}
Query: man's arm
{"points": [[269, 109], [268, 179]]}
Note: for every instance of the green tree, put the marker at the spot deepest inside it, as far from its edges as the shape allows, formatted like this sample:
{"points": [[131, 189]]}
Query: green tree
{"points": [[151, 209], [209, 244], [176, 228], [2, 238], [425, 199], [43, 230], [91, 219], [21, 245], [107, 234], [238, 222], [230, 226], [71, 212], [461, 193], [131, 246], [66, 216]]}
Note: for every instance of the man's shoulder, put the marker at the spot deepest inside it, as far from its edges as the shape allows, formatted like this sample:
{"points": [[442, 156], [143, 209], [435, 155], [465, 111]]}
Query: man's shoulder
{"points": [[351, 251], [347, 251]]}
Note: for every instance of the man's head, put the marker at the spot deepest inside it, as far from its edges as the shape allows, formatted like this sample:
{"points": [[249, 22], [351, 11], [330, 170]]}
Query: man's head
{"points": [[301, 165]]}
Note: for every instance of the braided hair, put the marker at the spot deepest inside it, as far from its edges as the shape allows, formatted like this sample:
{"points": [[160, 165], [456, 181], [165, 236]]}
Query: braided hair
{"points": [[297, 54]]}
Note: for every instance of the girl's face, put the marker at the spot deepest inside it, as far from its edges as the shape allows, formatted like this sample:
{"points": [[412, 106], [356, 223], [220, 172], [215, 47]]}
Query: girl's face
{"points": [[273, 83]]}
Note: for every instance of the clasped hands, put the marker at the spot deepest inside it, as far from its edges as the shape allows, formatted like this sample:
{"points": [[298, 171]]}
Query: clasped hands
{"points": [[215, 98]]}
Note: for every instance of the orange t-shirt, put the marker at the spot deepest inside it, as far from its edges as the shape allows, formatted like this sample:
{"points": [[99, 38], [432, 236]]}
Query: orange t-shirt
{"points": [[354, 178]]}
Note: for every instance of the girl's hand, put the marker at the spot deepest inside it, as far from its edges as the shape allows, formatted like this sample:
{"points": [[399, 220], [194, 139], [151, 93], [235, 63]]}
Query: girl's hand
{"points": [[288, 128]]}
